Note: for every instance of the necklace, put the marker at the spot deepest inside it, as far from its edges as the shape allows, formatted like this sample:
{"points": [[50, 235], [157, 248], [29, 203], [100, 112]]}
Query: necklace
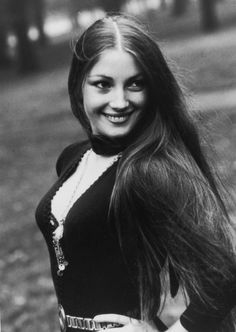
{"points": [[57, 234]]}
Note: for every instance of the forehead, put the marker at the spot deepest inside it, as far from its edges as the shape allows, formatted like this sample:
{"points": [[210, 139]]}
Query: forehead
{"points": [[115, 64]]}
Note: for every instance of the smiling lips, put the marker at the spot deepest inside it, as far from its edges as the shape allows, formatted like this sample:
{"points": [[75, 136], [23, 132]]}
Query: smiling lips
{"points": [[118, 118]]}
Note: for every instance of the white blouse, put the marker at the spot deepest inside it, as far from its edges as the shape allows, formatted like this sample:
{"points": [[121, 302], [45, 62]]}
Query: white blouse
{"points": [[90, 168]]}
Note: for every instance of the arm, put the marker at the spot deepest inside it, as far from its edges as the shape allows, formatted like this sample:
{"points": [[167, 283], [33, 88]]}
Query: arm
{"points": [[134, 325], [199, 317]]}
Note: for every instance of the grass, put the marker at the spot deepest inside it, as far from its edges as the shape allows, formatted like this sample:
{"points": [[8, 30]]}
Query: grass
{"points": [[35, 126]]}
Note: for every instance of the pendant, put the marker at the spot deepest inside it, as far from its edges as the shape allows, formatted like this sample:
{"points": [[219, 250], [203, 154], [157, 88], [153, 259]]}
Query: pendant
{"points": [[58, 233], [61, 262], [56, 237]]}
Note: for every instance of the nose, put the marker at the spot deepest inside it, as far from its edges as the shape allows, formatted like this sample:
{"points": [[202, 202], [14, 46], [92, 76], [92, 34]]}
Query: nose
{"points": [[119, 100]]}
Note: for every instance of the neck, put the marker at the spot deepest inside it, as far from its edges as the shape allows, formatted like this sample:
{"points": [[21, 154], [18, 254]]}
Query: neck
{"points": [[107, 146]]}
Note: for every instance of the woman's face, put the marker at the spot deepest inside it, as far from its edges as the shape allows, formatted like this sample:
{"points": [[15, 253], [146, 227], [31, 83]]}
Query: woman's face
{"points": [[114, 94]]}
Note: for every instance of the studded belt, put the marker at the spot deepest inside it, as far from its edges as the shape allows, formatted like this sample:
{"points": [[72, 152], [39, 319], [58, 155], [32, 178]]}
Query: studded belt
{"points": [[87, 324]]}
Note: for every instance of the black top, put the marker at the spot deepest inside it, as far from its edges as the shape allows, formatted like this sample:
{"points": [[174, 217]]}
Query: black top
{"points": [[97, 280]]}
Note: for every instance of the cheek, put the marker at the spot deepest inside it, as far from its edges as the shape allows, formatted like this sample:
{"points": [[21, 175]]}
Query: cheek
{"points": [[89, 101], [139, 99], [144, 99], [92, 102]]}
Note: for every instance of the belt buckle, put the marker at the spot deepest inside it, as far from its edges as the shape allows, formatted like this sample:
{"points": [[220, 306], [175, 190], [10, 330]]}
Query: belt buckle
{"points": [[62, 318]]}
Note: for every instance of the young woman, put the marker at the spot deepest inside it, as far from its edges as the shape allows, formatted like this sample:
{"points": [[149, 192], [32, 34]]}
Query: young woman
{"points": [[136, 211]]}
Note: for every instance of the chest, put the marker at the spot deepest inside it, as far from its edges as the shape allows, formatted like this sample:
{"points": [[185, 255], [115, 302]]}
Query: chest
{"points": [[87, 227], [87, 173]]}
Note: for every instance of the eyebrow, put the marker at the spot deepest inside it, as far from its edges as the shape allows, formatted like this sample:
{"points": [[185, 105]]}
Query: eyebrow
{"points": [[109, 77]]}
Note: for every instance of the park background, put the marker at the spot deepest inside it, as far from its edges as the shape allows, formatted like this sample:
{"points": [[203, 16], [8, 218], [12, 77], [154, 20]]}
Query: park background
{"points": [[199, 39]]}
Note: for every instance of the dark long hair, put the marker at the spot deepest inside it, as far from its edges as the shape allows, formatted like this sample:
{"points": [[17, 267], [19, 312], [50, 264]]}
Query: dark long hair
{"points": [[166, 201]]}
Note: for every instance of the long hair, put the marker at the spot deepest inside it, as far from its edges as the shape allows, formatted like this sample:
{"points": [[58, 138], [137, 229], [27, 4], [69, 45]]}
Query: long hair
{"points": [[165, 199]]}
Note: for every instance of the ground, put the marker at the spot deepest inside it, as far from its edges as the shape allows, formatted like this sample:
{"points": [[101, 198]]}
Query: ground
{"points": [[35, 126]]}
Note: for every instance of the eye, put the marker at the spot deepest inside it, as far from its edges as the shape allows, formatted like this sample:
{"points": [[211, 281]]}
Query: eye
{"points": [[137, 85], [102, 84]]}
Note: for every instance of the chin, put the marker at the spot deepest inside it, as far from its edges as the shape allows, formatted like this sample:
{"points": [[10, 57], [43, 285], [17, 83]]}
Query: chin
{"points": [[119, 132], [116, 134]]}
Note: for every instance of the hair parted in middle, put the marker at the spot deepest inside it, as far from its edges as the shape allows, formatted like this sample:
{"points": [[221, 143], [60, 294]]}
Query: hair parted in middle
{"points": [[165, 198], [123, 33]]}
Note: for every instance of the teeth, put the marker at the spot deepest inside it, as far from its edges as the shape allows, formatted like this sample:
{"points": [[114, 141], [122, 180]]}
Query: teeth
{"points": [[117, 118]]}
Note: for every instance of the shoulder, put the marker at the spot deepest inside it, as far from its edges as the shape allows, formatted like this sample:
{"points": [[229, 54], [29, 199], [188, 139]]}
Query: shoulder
{"points": [[69, 154]]}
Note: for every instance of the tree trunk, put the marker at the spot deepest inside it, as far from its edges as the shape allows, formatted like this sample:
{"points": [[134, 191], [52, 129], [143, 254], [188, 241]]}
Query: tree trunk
{"points": [[208, 15], [4, 56], [26, 53], [180, 7], [111, 5], [38, 9], [27, 60], [163, 4]]}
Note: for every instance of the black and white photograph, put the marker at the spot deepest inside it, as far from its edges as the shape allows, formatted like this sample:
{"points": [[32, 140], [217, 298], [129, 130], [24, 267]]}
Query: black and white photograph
{"points": [[118, 165]]}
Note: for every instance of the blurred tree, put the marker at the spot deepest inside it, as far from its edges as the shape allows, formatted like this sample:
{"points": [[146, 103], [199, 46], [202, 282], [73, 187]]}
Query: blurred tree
{"points": [[180, 6], [112, 5], [75, 6], [37, 13], [19, 17], [163, 4], [4, 57], [208, 15]]}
